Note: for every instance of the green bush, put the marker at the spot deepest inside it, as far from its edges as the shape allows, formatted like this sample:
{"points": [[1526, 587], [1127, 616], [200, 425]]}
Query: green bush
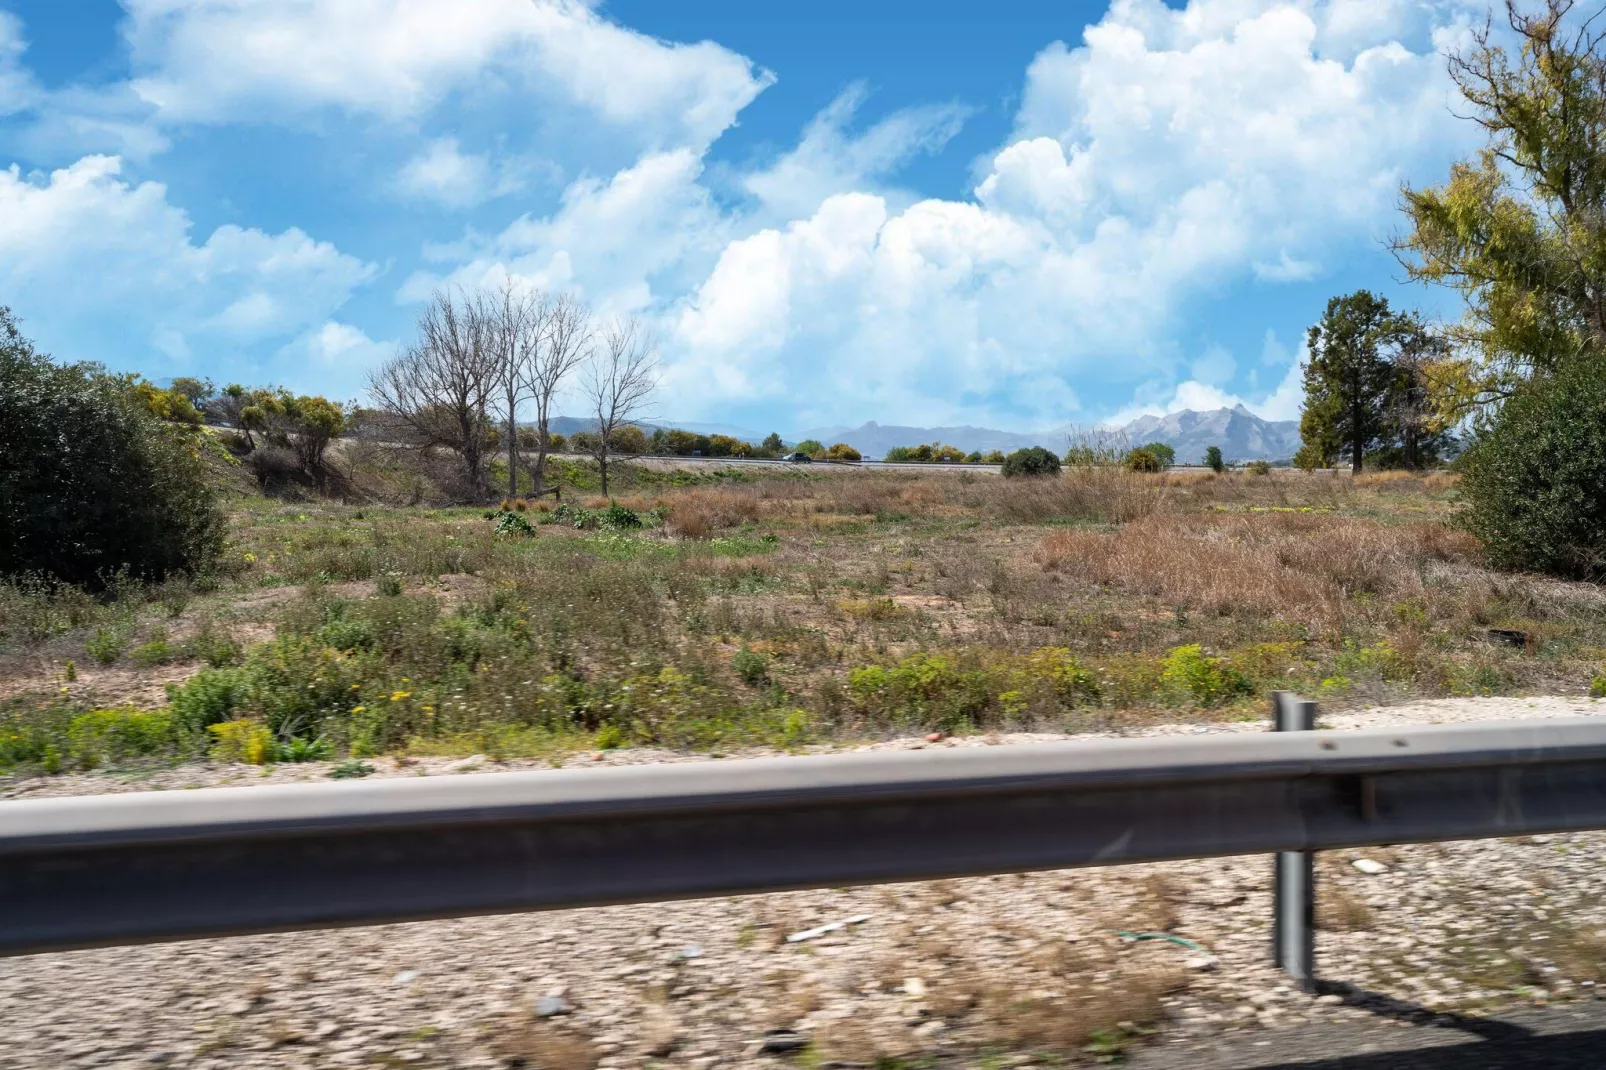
{"points": [[1031, 461], [103, 736], [91, 481], [1532, 482], [619, 517], [207, 698], [1260, 468], [508, 522], [1213, 459], [1163, 452], [106, 645], [752, 667], [1208, 681], [1143, 459], [147, 655]]}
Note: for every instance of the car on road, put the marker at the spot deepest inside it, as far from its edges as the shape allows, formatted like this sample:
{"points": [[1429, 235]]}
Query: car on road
{"points": [[800, 458]]}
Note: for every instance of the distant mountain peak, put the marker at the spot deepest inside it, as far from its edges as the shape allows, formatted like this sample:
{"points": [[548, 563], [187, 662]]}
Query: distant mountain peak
{"points": [[1241, 435]]}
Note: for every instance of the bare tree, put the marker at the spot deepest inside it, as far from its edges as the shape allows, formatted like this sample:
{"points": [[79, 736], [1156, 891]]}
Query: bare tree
{"points": [[566, 337], [619, 384], [514, 318], [437, 392]]}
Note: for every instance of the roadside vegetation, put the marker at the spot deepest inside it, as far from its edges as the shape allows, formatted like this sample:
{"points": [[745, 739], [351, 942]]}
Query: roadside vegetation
{"points": [[718, 608]]}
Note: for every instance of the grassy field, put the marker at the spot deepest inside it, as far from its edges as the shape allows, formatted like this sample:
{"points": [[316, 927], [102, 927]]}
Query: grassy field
{"points": [[781, 608]]}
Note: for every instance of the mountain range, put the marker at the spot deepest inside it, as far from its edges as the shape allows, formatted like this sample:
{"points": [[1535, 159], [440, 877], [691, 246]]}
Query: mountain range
{"points": [[1241, 434]]}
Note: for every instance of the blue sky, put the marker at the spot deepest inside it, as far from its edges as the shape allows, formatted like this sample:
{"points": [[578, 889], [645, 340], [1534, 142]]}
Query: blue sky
{"points": [[826, 212]]}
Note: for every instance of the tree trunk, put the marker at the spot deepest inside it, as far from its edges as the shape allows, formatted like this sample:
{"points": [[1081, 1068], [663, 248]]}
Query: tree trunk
{"points": [[1357, 439], [602, 466], [512, 450]]}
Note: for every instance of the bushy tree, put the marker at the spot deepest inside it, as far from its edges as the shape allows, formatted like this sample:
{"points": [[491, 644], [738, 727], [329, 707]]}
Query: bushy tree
{"points": [[628, 439], [811, 446], [1213, 459], [1143, 459], [1031, 461], [841, 451], [1166, 455], [91, 482], [772, 446], [1534, 481], [1520, 230]]}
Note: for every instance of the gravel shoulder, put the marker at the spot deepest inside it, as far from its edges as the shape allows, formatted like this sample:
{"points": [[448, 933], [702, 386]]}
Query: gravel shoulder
{"points": [[979, 972]]}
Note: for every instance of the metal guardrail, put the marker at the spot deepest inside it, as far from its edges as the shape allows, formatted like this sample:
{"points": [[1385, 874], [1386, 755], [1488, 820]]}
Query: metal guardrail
{"points": [[100, 870]]}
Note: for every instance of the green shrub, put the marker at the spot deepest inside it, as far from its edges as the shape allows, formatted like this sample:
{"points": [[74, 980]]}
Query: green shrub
{"points": [[1532, 481], [925, 690], [509, 522], [91, 481], [147, 655], [1144, 460], [618, 517], [299, 749], [106, 645], [1213, 459], [1163, 452], [1597, 686], [212, 646], [609, 737], [346, 635], [751, 666], [207, 698], [241, 741], [102, 736], [1208, 681], [1031, 461], [1260, 468]]}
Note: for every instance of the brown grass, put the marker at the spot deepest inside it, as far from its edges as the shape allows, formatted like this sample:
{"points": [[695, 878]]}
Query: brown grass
{"points": [[1103, 493], [1303, 567], [697, 513], [1066, 1025], [1340, 910]]}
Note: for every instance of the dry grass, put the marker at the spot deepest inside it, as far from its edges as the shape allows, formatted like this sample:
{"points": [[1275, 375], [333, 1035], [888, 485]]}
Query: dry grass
{"points": [[1131, 998], [698, 513], [1103, 493], [1304, 567], [526, 1041], [1340, 910]]}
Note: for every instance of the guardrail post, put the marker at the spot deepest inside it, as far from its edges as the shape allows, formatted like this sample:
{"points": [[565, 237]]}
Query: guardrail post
{"points": [[1293, 875]]}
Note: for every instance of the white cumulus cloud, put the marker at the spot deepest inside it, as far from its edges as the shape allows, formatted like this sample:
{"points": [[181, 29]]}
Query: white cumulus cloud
{"points": [[219, 60], [1174, 154], [96, 264]]}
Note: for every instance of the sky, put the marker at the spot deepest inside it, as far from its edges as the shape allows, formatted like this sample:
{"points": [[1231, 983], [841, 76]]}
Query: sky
{"points": [[1022, 216]]}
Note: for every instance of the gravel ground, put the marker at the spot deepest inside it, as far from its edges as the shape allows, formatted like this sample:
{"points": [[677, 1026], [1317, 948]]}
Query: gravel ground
{"points": [[976, 972]]}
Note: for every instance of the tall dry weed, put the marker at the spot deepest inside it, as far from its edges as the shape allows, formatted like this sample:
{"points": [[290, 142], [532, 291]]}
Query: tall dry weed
{"points": [[1082, 492], [698, 513], [1292, 566]]}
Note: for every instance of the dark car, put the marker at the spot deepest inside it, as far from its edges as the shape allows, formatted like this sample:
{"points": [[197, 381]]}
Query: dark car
{"points": [[800, 458]]}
